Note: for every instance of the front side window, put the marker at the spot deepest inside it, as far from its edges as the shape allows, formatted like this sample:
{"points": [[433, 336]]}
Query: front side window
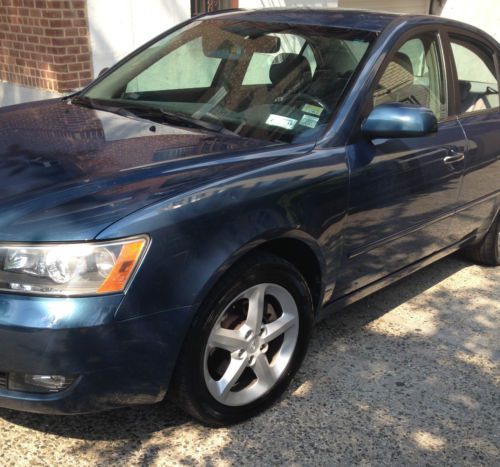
{"points": [[477, 81], [270, 81], [415, 76]]}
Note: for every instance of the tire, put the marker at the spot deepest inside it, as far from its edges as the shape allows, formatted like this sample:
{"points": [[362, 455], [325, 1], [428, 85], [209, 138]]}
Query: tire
{"points": [[228, 344], [488, 251]]}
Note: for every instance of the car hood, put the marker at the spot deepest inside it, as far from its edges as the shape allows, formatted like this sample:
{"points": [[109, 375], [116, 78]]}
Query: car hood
{"points": [[67, 172]]}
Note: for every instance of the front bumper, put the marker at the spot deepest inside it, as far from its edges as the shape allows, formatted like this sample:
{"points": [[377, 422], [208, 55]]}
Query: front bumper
{"points": [[117, 363]]}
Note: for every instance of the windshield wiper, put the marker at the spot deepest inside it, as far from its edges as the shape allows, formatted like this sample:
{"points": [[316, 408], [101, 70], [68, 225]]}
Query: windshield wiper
{"points": [[180, 119], [92, 104], [153, 113], [183, 119]]}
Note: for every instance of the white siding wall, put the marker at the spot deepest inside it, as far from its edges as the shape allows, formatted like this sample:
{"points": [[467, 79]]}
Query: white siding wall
{"points": [[117, 27], [11, 94], [397, 6], [406, 6], [287, 3], [485, 14]]}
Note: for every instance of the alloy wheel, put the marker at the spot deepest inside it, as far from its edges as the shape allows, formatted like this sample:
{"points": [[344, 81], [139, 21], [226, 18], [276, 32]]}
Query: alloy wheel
{"points": [[251, 344]]}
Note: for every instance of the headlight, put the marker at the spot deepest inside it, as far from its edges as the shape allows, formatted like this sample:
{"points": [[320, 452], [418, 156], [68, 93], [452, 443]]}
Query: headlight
{"points": [[71, 268]]}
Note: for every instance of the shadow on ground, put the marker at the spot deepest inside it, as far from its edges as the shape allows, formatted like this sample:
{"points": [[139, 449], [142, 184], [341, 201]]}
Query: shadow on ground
{"points": [[408, 375]]}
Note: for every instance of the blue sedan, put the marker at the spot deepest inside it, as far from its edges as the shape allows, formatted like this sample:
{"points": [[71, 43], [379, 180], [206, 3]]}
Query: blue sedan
{"points": [[176, 228]]}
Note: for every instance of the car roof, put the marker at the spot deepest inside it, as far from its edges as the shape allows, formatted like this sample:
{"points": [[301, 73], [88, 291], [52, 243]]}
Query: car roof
{"points": [[333, 17], [363, 20]]}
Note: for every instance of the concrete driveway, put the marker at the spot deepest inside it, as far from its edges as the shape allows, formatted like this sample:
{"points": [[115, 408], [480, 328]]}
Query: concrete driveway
{"points": [[408, 376]]}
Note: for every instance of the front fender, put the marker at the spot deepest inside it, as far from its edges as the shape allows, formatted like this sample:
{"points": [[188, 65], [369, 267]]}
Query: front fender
{"points": [[274, 235], [197, 236]]}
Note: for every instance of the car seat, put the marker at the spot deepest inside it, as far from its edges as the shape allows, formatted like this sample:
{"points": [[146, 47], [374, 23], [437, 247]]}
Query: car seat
{"points": [[397, 84]]}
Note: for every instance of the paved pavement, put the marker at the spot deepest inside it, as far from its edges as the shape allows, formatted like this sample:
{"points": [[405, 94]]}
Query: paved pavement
{"points": [[409, 376]]}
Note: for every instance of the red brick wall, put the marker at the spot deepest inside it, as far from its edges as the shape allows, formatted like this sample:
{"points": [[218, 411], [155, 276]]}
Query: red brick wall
{"points": [[45, 44]]}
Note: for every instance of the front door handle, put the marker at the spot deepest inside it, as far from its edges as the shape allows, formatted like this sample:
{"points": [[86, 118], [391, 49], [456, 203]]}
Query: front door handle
{"points": [[454, 157]]}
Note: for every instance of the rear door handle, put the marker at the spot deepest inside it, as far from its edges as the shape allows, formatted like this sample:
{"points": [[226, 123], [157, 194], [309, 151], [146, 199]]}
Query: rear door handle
{"points": [[454, 157]]}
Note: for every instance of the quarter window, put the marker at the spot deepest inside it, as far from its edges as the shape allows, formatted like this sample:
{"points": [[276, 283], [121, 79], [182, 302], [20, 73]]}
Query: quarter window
{"points": [[477, 82], [415, 76]]}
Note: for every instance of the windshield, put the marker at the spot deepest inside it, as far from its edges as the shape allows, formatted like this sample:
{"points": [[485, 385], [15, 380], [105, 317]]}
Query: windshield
{"points": [[270, 81]]}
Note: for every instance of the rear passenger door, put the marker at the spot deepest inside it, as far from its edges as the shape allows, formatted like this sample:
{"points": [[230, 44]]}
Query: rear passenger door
{"points": [[475, 73]]}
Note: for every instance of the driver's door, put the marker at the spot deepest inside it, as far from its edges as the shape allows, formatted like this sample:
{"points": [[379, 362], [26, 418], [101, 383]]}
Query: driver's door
{"points": [[403, 190]]}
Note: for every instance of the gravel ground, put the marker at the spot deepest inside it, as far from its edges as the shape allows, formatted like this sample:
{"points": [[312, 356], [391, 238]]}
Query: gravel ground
{"points": [[409, 376]]}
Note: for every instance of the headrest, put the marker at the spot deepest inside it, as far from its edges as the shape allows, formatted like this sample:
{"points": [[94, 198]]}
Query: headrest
{"points": [[403, 60], [399, 73], [464, 88], [286, 63]]}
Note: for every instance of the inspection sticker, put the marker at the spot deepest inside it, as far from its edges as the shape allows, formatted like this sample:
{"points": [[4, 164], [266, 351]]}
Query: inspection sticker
{"points": [[282, 122], [309, 121], [312, 109]]}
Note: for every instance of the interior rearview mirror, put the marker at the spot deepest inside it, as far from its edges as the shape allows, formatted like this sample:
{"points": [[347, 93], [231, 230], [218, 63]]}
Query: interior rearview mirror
{"points": [[225, 49], [396, 120], [102, 72]]}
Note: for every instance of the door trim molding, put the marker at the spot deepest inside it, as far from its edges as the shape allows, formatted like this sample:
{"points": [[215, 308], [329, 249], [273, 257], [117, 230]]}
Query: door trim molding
{"points": [[415, 228]]}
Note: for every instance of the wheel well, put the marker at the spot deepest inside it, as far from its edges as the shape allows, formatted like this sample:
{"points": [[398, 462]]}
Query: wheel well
{"points": [[302, 257]]}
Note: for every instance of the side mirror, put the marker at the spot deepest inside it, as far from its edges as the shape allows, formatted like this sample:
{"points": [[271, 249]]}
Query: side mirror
{"points": [[103, 71], [397, 120]]}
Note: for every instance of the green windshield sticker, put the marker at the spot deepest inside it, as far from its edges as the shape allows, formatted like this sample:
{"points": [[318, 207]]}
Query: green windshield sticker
{"points": [[312, 109], [309, 121], [282, 122]]}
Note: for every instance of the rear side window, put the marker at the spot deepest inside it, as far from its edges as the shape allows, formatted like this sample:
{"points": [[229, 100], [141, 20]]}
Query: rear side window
{"points": [[477, 80]]}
